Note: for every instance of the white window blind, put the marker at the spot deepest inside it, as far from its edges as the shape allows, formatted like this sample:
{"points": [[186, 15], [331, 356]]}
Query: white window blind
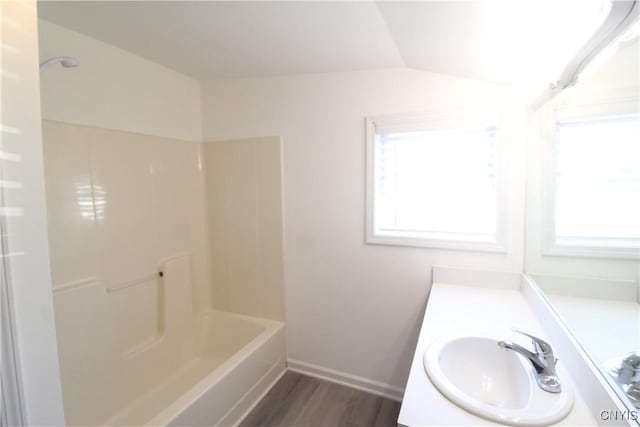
{"points": [[597, 182], [436, 186]]}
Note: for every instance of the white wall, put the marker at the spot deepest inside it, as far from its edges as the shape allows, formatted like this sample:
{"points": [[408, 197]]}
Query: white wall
{"points": [[115, 89], [24, 265], [352, 307]]}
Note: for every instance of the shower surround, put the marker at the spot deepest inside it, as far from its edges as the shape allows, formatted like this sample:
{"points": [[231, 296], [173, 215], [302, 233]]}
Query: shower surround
{"points": [[147, 274]]}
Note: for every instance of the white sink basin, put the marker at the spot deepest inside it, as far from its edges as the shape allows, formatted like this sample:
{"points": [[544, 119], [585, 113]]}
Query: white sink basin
{"points": [[476, 374]]}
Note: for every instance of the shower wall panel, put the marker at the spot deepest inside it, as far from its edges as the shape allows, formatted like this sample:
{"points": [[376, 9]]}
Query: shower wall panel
{"points": [[244, 194], [119, 203]]}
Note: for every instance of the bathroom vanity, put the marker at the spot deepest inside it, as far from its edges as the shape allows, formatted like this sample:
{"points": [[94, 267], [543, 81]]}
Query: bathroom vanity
{"points": [[494, 304]]}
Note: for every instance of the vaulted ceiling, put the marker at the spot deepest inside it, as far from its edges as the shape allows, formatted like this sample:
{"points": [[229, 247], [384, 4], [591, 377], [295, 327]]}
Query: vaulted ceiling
{"points": [[494, 40]]}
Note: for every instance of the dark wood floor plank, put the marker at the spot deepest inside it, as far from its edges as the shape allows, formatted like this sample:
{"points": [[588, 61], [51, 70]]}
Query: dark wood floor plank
{"points": [[301, 401], [388, 414], [364, 411], [283, 403], [327, 406]]}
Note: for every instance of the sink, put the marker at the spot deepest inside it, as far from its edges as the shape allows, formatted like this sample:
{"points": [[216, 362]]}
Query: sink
{"points": [[477, 375]]}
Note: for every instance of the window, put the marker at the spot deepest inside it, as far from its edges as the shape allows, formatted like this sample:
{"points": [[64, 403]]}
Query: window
{"points": [[435, 182], [595, 199]]}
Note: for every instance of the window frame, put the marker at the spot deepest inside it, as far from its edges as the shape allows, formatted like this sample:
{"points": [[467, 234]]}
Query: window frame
{"points": [[437, 121], [599, 106]]}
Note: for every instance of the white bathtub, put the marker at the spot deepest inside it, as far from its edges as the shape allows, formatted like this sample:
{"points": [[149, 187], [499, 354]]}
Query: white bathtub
{"points": [[138, 355], [238, 359]]}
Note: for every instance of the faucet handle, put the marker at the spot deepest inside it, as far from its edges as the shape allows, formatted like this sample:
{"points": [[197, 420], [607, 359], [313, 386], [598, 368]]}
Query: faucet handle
{"points": [[542, 348], [626, 371], [632, 361], [630, 368]]}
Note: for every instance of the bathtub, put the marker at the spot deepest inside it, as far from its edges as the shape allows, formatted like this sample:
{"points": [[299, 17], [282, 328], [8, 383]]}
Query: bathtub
{"points": [[137, 354], [238, 359]]}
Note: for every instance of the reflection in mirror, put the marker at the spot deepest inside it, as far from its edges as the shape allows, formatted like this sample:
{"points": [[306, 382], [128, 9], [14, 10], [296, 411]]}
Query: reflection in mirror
{"points": [[583, 212], [604, 317]]}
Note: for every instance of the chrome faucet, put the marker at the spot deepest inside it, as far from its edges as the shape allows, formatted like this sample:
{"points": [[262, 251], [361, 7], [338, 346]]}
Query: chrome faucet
{"points": [[626, 371], [541, 358]]}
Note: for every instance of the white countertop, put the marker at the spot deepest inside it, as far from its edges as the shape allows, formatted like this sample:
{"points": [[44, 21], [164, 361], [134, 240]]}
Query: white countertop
{"points": [[479, 308]]}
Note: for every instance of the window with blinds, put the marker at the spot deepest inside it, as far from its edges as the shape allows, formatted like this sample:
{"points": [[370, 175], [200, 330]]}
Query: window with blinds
{"points": [[596, 166], [435, 184]]}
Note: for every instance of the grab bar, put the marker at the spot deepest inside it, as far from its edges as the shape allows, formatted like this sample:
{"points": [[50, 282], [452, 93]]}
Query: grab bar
{"points": [[70, 286], [134, 282]]}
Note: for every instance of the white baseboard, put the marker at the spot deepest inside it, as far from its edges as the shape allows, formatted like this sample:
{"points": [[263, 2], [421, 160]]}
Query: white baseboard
{"points": [[342, 378]]}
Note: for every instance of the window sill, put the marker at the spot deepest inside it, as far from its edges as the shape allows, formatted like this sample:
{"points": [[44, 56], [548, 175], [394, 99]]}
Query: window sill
{"points": [[461, 245], [591, 252]]}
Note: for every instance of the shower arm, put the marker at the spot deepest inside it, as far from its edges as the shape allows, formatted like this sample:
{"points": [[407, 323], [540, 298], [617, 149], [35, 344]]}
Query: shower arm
{"points": [[65, 61]]}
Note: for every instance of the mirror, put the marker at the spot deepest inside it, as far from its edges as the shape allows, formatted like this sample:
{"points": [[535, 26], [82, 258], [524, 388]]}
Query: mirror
{"points": [[583, 211]]}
